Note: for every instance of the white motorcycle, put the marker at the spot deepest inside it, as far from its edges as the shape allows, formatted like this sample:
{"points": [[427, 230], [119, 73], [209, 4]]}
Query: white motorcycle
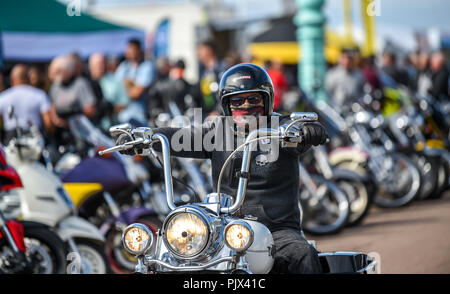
{"points": [[205, 237], [43, 199]]}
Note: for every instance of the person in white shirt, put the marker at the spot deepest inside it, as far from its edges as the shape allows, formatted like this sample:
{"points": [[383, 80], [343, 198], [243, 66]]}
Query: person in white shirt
{"points": [[345, 82], [31, 105], [137, 74]]}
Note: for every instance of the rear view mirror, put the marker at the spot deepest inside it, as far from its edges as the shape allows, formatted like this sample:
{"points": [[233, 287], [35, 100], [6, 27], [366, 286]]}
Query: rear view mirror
{"points": [[304, 116], [117, 130]]}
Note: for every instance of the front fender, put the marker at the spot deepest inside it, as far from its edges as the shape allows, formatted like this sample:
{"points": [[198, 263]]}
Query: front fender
{"points": [[349, 153], [77, 227], [32, 224]]}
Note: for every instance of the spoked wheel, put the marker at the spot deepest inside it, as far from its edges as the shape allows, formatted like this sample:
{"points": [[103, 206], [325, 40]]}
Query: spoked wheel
{"points": [[428, 167], [402, 184], [443, 174], [325, 212], [93, 258], [45, 250], [360, 198], [121, 261]]}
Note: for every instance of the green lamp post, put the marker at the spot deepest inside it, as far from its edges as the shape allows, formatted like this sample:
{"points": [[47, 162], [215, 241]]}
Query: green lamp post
{"points": [[310, 36]]}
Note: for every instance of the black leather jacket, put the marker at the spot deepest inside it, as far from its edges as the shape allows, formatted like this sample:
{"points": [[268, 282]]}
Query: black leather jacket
{"points": [[273, 188]]}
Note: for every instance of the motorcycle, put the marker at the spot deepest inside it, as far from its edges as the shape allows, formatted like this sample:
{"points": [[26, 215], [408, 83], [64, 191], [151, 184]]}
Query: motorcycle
{"points": [[323, 205], [375, 156], [405, 129], [205, 237], [109, 192], [360, 191], [417, 128], [359, 188], [25, 246], [43, 199]]}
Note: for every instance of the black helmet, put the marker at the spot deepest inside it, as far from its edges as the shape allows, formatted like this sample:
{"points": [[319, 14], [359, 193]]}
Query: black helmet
{"points": [[244, 78]]}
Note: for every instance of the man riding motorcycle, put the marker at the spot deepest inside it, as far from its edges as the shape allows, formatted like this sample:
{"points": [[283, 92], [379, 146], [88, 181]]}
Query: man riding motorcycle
{"points": [[246, 96]]}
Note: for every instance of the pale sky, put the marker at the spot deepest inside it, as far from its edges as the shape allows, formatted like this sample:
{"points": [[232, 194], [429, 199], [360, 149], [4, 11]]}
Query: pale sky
{"points": [[398, 19]]}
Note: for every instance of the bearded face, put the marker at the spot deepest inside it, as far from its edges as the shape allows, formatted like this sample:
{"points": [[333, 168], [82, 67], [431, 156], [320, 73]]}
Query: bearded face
{"points": [[245, 107]]}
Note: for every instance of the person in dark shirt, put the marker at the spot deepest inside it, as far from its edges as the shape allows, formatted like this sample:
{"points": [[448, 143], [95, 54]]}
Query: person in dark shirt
{"points": [[439, 77], [392, 70], [171, 86], [210, 71]]}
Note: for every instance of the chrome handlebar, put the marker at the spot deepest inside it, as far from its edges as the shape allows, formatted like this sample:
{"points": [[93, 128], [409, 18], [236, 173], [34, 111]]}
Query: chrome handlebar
{"points": [[125, 146], [290, 138], [142, 143], [146, 138]]}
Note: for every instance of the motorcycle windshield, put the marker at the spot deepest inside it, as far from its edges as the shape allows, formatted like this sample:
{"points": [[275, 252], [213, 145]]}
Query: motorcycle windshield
{"points": [[82, 128]]}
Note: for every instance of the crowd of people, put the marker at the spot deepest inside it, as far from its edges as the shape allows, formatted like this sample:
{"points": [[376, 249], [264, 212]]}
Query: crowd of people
{"points": [[421, 72], [103, 88], [109, 90]]}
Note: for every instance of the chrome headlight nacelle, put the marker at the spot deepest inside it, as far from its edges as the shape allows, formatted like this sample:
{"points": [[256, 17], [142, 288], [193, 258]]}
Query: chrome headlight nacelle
{"points": [[189, 231]]}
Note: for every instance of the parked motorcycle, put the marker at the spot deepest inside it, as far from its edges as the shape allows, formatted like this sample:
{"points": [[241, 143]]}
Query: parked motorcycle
{"points": [[324, 206], [398, 179], [360, 191], [43, 199], [359, 187], [13, 257], [25, 246], [205, 237], [416, 125], [109, 192]]}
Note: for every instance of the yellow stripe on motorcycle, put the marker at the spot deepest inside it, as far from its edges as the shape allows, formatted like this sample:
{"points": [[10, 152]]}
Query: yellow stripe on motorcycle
{"points": [[79, 192], [393, 101], [433, 143], [420, 146]]}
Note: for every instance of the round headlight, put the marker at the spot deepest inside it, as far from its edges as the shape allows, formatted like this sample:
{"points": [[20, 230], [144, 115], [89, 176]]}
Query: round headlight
{"points": [[186, 234], [238, 235], [137, 239]]}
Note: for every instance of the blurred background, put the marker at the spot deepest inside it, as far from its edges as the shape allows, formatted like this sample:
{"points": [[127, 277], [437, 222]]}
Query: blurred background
{"points": [[376, 71], [251, 30]]}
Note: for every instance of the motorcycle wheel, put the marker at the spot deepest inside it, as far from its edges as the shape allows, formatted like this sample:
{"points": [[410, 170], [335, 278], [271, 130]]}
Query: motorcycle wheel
{"points": [[403, 185], [93, 257], [45, 250], [360, 196], [428, 167], [121, 261], [13, 263], [443, 174], [326, 213]]}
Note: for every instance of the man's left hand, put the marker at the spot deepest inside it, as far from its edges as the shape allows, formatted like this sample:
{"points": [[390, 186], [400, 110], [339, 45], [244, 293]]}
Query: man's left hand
{"points": [[314, 134]]}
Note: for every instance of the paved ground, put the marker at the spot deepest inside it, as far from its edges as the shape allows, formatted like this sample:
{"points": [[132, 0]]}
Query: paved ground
{"points": [[413, 239]]}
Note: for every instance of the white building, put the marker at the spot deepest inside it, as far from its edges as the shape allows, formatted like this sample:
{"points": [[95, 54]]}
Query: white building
{"points": [[184, 18]]}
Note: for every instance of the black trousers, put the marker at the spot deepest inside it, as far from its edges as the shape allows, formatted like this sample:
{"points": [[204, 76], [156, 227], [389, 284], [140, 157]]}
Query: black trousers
{"points": [[294, 255]]}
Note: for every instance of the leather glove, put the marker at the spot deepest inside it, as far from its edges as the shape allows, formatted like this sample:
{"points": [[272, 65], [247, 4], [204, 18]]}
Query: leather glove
{"points": [[314, 134], [122, 139]]}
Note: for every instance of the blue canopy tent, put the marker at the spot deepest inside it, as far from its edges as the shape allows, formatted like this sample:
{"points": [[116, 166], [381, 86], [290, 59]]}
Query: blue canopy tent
{"points": [[38, 31]]}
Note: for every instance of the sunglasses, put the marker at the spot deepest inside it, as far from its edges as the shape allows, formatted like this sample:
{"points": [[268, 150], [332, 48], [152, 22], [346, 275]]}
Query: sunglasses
{"points": [[238, 101]]}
